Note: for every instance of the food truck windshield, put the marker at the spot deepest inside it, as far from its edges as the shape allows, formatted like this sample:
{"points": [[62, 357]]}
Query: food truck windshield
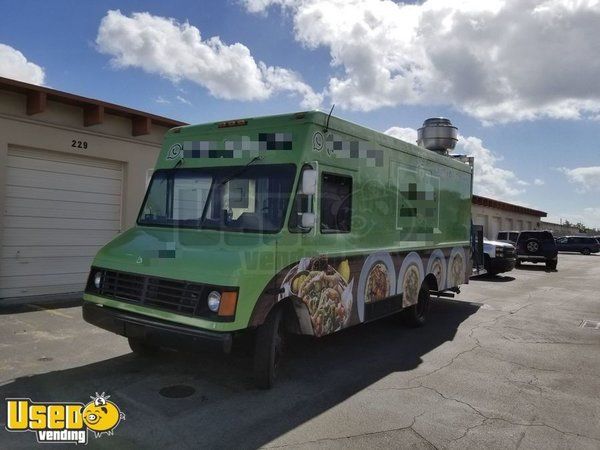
{"points": [[233, 198]]}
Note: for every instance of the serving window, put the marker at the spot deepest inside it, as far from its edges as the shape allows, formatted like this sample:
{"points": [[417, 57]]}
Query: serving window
{"points": [[336, 203]]}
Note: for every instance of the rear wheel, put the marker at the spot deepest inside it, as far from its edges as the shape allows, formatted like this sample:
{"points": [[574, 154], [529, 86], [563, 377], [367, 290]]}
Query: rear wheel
{"points": [[551, 265], [586, 251], [517, 263], [270, 339], [142, 348], [415, 316]]}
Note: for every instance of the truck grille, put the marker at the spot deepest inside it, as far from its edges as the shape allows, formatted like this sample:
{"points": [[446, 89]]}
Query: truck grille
{"points": [[181, 297], [509, 252]]}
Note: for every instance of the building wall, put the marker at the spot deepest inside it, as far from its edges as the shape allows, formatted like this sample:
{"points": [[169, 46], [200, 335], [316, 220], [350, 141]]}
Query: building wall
{"points": [[56, 128], [52, 133], [561, 230], [494, 220]]}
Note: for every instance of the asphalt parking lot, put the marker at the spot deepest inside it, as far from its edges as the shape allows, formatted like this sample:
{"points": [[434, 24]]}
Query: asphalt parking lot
{"points": [[506, 364]]}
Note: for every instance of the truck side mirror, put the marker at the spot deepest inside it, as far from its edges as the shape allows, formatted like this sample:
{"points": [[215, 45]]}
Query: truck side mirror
{"points": [[309, 182], [308, 220]]}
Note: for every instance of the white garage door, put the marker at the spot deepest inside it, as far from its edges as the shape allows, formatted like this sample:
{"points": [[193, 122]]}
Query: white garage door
{"points": [[59, 210]]}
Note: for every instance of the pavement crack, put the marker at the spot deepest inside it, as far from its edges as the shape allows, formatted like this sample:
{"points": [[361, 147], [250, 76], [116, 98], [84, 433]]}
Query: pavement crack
{"points": [[449, 363], [486, 418], [352, 436], [497, 357]]}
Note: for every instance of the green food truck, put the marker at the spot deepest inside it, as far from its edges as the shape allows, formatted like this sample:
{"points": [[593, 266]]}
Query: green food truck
{"points": [[298, 223]]}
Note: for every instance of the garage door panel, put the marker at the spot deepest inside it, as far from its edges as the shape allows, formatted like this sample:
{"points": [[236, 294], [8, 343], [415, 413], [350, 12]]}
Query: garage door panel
{"points": [[43, 266], [60, 209], [51, 208], [45, 251], [54, 223], [61, 195], [62, 167], [56, 237], [65, 182], [69, 158], [28, 281], [39, 290]]}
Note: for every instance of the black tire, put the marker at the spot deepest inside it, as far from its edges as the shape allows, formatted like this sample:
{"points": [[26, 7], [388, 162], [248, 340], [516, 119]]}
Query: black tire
{"points": [[268, 350], [486, 263], [141, 348], [551, 265], [586, 251], [517, 263], [416, 315]]}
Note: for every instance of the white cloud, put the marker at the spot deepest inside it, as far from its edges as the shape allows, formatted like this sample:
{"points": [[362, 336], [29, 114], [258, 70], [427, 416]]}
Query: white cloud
{"points": [[587, 178], [404, 134], [177, 51], [489, 179], [590, 217], [13, 64], [162, 100], [183, 100], [497, 60], [539, 182]]}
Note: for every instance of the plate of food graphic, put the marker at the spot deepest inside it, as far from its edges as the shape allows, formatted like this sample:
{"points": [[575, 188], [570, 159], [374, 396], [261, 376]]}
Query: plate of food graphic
{"points": [[457, 265], [326, 293], [437, 266], [410, 277], [377, 281]]}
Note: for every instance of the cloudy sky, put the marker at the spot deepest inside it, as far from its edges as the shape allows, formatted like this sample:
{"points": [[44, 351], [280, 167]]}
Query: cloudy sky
{"points": [[520, 78]]}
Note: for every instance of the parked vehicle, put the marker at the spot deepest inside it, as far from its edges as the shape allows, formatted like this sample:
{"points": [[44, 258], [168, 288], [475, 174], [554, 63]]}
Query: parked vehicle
{"points": [[498, 257], [508, 236], [581, 244], [299, 223], [536, 247]]}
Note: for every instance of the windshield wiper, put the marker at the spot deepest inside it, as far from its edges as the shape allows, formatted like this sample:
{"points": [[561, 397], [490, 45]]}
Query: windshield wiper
{"points": [[241, 171]]}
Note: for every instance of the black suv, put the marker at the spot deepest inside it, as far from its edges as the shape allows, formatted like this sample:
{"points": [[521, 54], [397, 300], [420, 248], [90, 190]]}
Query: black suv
{"points": [[537, 246], [582, 244]]}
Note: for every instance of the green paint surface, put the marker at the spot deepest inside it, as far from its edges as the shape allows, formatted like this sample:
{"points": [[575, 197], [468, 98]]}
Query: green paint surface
{"points": [[413, 200]]}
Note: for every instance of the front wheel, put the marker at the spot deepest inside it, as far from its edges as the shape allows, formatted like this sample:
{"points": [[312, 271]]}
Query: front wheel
{"points": [[415, 316], [586, 251], [551, 265], [269, 349]]}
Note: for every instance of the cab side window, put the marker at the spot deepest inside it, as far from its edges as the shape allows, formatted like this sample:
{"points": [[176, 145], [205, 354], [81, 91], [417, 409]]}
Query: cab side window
{"points": [[336, 203]]}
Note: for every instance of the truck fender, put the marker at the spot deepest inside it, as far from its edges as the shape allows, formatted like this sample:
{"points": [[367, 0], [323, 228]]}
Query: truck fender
{"points": [[296, 315]]}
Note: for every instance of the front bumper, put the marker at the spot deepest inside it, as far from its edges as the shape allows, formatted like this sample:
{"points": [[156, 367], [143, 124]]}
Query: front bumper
{"points": [[155, 331], [536, 258]]}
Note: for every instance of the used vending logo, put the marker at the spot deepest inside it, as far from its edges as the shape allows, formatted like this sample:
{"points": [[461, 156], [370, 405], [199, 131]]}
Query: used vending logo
{"points": [[63, 422]]}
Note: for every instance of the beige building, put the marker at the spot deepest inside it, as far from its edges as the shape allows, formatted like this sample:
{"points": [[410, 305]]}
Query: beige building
{"points": [[559, 229], [495, 216], [72, 175]]}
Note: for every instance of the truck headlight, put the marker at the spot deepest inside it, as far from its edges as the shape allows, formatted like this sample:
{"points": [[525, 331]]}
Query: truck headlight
{"points": [[98, 280], [214, 301]]}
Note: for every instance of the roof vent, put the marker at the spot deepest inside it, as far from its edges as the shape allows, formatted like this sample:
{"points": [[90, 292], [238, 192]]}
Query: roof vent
{"points": [[438, 135]]}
